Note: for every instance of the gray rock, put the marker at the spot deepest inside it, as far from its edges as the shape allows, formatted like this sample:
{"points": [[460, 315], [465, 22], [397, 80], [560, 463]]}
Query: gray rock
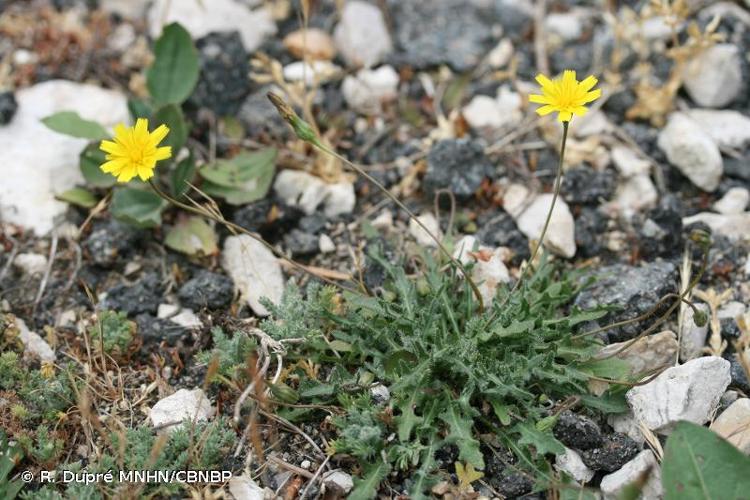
{"points": [[633, 290], [206, 290], [32, 264], [362, 37], [258, 115], [643, 466], [459, 165], [301, 243], [223, 82], [110, 242], [452, 32], [8, 107], [689, 148], [714, 78], [154, 330], [688, 392], [142, 297]]}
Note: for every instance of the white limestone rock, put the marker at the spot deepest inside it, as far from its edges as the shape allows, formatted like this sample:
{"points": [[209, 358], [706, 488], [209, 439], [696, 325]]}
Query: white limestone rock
{"points": [[185, 404], [244, 488], [485, 112], [422, 236], [736, 227], [734, 425], [728, 129], [560, 237], [651, 352], [308, 192], [733, 202], [628, 163], [689, 148], [572, 463], [33, 343], [687, 392], [255, 270], [31, 263], [613, 485], [366, 91], [692, 336], [714, 78], [362, 36], [635, 194], [311, 72], [39, 163], [200, 18], [337, 482]]}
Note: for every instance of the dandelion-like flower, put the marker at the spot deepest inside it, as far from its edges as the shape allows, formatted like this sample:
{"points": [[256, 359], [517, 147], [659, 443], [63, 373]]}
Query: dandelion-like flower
{"points": [[566, 95], [135, 151]]}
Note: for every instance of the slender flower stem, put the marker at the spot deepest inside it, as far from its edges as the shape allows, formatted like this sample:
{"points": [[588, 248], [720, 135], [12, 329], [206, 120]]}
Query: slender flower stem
{"points": [[555, 195], [236, 229], [303, 131]]}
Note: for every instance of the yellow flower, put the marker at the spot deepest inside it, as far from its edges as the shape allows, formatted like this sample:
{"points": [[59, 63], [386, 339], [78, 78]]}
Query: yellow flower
{"points": [[135, 151], [566, 95]]}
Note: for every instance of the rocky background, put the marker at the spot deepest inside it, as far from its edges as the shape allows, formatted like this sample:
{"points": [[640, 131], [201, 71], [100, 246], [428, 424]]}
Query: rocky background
{"points": [[431, 97]]}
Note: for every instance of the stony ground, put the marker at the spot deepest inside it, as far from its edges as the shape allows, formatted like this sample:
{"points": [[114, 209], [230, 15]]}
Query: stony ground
{"points": [[431, 97]]}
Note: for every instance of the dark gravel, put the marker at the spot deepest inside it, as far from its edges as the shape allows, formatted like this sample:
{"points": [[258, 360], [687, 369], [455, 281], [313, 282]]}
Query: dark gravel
{"points": [[577, 431], [616, 450], [207, 290]]}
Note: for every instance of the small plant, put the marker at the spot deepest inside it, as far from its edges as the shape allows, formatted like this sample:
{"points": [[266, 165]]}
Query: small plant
{"points": [[114, 332], [453, 372], [231, 353]]}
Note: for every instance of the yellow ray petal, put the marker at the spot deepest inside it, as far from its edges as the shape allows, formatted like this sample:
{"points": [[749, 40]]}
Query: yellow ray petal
{"points": [[159, 134], [545, 110], [163, 153], [588, 83], [540, 99]]}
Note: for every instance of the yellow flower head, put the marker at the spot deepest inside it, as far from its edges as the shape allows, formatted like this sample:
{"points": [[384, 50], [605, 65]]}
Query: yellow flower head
{"points": [[135, 151], [566, 95]]}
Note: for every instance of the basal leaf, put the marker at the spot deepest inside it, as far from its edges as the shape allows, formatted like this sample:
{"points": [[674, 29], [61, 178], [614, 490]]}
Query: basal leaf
{"points": [[243, 179], [137, 207], [172, 77], [69, 123], [91, 159], [367, 487], [182, 174], [192, 236], [543, 441], [462, 435], [78, 196], [699, 464], [171, 116]]}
